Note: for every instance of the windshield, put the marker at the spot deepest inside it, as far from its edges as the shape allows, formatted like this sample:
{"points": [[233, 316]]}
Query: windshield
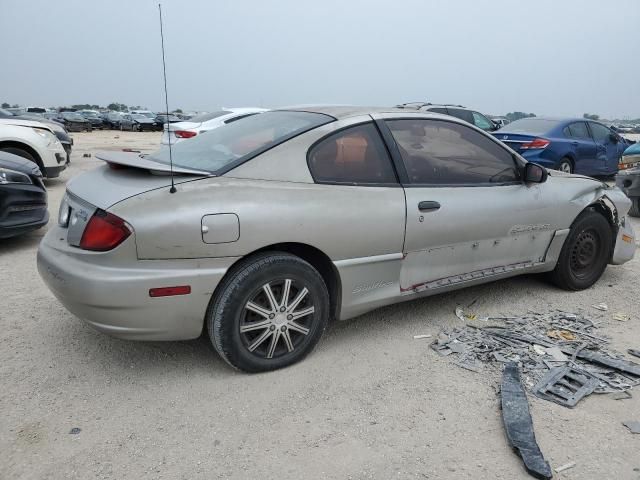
{"points": [[532, 126], [139, 117], [203, 117], [238, 141], [73, 116]]}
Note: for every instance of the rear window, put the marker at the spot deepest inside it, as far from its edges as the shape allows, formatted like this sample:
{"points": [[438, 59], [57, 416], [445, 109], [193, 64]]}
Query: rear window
{"points": [[532, 126], [233, 143], [203, 117]]}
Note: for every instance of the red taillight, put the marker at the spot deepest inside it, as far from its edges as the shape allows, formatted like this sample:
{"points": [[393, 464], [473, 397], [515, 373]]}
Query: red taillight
{"points": [[170, 291], [537, 143], [184, 134], [104, 232]]}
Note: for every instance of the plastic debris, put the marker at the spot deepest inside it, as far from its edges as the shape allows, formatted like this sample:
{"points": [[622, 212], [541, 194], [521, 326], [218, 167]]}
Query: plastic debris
{"points": [[86, 155], [566, 386], [459, 313], [561, 335], [601, 306], [75, 431], [564, 467], [417, 337], [632, 425], [635, 353], [540, 343], [519, 425], [621, 317]]}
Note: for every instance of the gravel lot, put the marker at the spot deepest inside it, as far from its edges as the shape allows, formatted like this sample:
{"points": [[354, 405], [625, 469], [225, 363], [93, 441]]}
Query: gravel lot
{"points": [[370, 402]]}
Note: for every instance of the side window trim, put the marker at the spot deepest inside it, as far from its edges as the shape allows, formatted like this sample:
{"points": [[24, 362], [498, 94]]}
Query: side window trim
{"points": [[372, 122], [401, 171]]}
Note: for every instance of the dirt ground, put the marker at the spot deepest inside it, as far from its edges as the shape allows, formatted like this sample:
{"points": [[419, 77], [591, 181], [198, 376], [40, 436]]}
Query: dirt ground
{"points": [[370, 402]]}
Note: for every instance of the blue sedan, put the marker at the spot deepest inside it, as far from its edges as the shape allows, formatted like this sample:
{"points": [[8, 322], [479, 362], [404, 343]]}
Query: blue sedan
{"points": [[572, 145]]}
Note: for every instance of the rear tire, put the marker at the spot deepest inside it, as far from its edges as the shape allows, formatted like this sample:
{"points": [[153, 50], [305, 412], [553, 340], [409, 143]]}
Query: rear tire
{"points": [[565, 166], [257, 323], [585, 254], [635, 207]]}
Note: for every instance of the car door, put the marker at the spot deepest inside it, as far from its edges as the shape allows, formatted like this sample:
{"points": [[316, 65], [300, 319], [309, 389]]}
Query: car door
{"points": [[583, 146], [607, 149], [468, 212]]}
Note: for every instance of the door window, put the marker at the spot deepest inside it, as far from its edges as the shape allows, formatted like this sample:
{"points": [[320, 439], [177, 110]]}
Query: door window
{"points": [[577, 130], [600, 132], [353, 156], [481, 121], [462, 114], [437, 152]]}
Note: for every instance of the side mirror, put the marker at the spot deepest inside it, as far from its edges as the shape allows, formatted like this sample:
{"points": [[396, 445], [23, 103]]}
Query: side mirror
{"points": [[534, 173], [613, 137]]}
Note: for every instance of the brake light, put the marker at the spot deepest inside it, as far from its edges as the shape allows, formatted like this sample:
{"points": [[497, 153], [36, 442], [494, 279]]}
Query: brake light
{"points": [[185, 134], [104, 232], [536, 143]]}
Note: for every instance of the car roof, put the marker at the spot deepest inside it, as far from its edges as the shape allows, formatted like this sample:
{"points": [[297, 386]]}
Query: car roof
{"points": [[342, 111]]}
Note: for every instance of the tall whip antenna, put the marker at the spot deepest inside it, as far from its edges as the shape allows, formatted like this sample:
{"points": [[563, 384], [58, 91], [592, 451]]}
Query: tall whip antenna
{"points": [[166, 101]]}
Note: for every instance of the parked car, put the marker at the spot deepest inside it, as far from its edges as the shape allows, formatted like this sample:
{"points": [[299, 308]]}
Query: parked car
{"points": [[112, 120], [571, 145], [628, 179], [205, 122], [56, 128], [94, 118], [463, 113], [137, 123], [74, 122], [499, 121], [37, 145], [288, 218], [23, 196], [164, 118]]}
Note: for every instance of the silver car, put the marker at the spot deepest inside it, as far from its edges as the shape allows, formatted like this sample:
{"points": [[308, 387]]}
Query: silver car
{"points": [[284, 220]]}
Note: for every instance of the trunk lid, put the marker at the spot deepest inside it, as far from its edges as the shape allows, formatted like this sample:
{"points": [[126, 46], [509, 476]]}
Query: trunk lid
{"points": [[514, 140]]}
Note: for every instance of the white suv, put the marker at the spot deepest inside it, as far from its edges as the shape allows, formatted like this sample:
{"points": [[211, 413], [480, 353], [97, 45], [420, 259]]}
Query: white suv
{"points": [[180, 131], [34, 143]]}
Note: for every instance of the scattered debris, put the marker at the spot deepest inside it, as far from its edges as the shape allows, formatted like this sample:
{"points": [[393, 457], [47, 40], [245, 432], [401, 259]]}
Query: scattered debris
{"points": [[564, 467], [632, 425], [601, 306], [519, 425], [75, 431], [417, 337], [543, 346], [622, 395], [621, 317], [86, 155], [566, 386], [459, 313], [635, 353]]}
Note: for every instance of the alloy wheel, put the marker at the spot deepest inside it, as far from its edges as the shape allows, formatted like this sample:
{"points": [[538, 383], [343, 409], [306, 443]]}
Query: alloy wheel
{"points": [[565, 167], [277, 318]]}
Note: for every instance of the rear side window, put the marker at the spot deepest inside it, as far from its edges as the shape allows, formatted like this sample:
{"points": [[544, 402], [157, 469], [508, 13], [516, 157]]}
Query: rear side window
{"points": [[465, 115], [577, 130], [481, 121], [439, 110], [353, 156], [446, 153]]}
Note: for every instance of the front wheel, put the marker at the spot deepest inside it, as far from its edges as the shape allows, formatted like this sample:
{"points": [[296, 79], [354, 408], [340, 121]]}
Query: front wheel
{"points": [[585, 253], [268, 313]]}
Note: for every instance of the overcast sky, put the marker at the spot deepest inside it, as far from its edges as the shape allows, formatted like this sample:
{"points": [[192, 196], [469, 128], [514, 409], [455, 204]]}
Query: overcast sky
{"points": [[544, 56]]}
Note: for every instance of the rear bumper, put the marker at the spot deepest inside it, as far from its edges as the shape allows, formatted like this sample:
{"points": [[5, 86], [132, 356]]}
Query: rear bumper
{"points": [[22, 208], [114, 298], [629, 182]]}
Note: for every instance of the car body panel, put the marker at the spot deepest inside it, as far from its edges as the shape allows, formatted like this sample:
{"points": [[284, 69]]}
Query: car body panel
{"points": [[51, 154], [371, 234]]}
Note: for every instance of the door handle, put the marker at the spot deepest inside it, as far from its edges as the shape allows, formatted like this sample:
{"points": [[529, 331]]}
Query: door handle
{"points": [[428, 206]]}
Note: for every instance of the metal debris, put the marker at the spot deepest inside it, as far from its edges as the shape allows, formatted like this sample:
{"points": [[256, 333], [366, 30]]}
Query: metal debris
{"points": [[519, 425], [632, 425], [601, 306], [539, 343], [566, 386], [564, 467]]}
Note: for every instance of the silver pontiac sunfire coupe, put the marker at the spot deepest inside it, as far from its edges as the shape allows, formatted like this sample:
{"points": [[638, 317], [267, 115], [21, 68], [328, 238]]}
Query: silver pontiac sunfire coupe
{"points": [[288, 218]]}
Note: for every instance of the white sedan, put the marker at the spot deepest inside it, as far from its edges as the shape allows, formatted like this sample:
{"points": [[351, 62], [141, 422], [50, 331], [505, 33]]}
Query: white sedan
{"points": [[176, 132]]}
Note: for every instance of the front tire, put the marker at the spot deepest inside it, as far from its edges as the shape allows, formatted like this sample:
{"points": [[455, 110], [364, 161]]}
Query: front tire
{"points": [[635, 207], [269, 312], [585, 254]]}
